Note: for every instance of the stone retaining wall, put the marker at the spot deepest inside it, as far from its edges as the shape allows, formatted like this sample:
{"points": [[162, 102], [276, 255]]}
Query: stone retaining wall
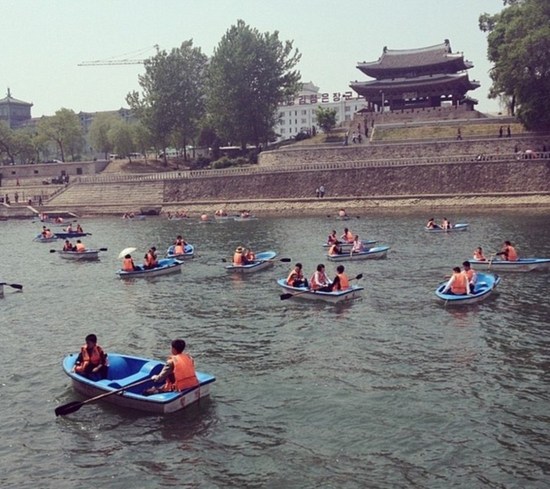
{"points": [[474, 178]]}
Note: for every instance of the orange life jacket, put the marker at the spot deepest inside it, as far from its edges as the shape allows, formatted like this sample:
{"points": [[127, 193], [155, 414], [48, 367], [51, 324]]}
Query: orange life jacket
{"points": [[348, 237], [479, 256], [150, 260], [343, 281], [238, 259], [459, 285], [184, 373], [511, 253], [94, 359], [178, 249], [250, 256], [80, 247], [293, 276], [128, 265]]}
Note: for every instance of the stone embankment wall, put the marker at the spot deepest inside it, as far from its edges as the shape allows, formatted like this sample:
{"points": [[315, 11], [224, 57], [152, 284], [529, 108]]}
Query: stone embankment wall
{"points": [[483, 177]]}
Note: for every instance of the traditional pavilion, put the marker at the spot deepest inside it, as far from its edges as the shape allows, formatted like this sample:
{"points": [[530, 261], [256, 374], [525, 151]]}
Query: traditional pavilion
{"points": [[416, 78], [15, 112]]}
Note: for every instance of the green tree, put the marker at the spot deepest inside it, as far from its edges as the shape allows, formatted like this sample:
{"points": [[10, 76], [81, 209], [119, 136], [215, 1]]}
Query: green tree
{"points": [[250, 75], [326, 118], [172, 100], [519, 46], [64, 130], [99, 133], [121, 136], [15, 144]]}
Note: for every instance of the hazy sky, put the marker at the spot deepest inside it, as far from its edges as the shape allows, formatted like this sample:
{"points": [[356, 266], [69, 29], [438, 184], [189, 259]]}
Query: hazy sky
{"points": [[42, 41]]}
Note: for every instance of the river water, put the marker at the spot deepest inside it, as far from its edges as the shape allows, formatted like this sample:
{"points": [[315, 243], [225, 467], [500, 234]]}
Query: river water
{"points": [[391, 391]]}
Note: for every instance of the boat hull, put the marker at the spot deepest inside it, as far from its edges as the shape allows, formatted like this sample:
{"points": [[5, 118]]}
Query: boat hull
{"points": [[41, 239], [348, 246], [376, 253], [125, 370], [87, 255], [263, 261], [455, 229], [486, 285], [332, 297], [166, 267], [64, 235], [520, 265], [189, 253]]}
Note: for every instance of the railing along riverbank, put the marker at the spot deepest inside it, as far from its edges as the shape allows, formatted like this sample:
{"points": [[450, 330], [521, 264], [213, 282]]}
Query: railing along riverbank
{"points": [[301, 167]]}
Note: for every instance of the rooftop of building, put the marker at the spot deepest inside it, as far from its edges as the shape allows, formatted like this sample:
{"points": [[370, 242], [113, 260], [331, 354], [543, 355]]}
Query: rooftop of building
{"points": [[399, 59]]}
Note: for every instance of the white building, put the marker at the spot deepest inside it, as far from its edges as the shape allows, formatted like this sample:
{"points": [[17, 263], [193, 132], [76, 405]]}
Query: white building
{"points": [[298, 115]]}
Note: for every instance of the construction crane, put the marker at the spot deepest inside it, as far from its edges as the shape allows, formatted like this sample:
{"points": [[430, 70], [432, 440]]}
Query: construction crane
{"points": [[123, 59]]}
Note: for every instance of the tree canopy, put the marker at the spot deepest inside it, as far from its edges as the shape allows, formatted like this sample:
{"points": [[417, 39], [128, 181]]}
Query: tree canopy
{"points": [[326, 118], [64, 129], [250, 74], [172, 100], [519, 46]]}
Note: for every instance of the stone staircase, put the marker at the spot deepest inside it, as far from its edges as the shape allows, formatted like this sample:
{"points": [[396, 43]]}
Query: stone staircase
{"points": [[129, 196]]}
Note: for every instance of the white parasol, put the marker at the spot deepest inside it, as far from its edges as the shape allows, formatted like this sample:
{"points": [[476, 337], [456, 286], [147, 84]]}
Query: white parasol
{"points": [[126, 251]]}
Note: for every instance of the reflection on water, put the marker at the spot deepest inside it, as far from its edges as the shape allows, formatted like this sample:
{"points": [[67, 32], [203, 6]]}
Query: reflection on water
{"points": [[392, 390]]}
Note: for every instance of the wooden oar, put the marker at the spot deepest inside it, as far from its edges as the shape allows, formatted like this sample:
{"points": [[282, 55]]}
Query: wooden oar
{"points": [[98, 249], [284, 297], [71, 407], [285, 260], [14, 286]]}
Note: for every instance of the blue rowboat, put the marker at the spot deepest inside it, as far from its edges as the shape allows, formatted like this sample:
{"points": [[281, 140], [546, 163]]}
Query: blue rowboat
{"points": [[485, 286], [41, 239], [453, 229], [347, 246], [73, 234], [166, 266], [333, 297], [519, 265], [375, 253], [125, 370], [263, 260], [86, 255], [189, 252]]}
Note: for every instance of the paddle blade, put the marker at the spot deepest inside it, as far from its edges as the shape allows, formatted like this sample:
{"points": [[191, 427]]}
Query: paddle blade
{"points": [[224, 260], [53, 251], [286, 260], [103, 249], [359, 277], [16, 286], [284, 297], [69, 408]]}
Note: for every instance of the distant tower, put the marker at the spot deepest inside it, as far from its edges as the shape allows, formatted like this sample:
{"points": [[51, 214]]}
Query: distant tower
{"points": [[15, 112]]}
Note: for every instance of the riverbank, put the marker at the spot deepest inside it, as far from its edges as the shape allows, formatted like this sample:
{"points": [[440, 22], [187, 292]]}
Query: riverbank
{"points": [[353, 206]]}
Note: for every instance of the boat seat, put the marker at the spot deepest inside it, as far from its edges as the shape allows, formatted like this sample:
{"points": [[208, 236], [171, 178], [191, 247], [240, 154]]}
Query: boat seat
{"points": [[151, 368], [118, 367]]}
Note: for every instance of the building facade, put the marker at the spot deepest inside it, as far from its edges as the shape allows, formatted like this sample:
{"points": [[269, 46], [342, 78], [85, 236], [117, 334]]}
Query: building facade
{"points": [[15, 113], [298, 115], [415, 78]]}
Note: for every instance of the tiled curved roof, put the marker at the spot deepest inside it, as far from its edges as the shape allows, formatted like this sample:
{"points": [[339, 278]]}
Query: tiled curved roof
{"points": [[400, 59], [418, 83], [12, 100]]}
